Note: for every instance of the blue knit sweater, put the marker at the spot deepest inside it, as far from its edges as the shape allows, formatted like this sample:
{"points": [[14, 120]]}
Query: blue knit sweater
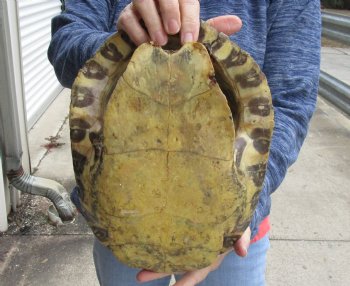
{"points": [[283, 36]]}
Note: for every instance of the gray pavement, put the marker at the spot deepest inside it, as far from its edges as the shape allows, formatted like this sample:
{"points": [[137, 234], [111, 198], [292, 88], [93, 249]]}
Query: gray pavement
{"points": [[336, 62], [310, 236]]}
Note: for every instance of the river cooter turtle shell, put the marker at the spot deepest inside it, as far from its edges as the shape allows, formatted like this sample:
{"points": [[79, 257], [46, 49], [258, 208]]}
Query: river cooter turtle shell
{"points": [[170, 147]]}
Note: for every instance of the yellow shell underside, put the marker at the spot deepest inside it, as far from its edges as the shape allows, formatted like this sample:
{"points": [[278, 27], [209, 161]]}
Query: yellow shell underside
{"points": [[169, 177], [166, 193]]}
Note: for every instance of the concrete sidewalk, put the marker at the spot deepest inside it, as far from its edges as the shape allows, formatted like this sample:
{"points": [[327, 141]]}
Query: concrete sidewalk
{"points": [[336, 62], [310, 237]]}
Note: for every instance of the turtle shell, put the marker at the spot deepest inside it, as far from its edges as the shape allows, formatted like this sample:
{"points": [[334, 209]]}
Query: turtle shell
{"points": [[170, 147]]}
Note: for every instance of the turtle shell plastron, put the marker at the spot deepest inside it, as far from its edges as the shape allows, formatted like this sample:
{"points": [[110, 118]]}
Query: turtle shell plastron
{"points": [[169, 148]]}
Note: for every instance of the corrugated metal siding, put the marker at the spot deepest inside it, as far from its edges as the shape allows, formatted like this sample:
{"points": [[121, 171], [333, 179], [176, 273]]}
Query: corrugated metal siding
{"points": [[39, 80]]}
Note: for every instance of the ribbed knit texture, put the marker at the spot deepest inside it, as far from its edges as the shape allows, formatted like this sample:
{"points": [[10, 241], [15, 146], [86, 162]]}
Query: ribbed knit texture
{"points": [[283, 36]]}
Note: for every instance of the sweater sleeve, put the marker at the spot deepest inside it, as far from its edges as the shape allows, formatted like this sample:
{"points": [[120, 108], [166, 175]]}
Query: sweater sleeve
{"points": [[292, 62], [77, 33]]}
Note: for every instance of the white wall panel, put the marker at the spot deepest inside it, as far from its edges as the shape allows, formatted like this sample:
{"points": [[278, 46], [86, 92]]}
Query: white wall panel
{"points": [[39, 80], [4, 200], [12, 107]]}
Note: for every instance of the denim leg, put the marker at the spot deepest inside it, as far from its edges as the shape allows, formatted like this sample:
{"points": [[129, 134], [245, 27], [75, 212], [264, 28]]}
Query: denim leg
{"points": [[233, 271], [238, 271], [111, 272]]}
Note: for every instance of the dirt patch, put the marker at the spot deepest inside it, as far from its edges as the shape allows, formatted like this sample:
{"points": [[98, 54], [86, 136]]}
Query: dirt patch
{"points": [[31, 219]]}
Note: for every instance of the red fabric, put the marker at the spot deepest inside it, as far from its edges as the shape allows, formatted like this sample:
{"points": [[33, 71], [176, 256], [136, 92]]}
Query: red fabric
{"points": [[264, 228]]}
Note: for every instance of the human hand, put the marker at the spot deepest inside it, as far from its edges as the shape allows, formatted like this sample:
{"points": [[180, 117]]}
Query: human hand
{"points": [[194, 277], [169, 17]]}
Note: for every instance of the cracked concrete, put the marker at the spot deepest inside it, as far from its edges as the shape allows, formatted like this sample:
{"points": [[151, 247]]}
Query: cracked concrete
{"points": [[312, 263], [51, 124], [49, 260], [52, 142]]}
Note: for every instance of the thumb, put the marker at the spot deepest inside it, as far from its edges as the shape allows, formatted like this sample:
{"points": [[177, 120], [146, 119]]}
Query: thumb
{"points": [[241, 246], [146, 275], [228, 24]]}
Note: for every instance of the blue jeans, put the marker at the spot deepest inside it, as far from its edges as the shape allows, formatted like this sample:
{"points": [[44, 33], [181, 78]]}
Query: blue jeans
{"points": [[233, 271]]}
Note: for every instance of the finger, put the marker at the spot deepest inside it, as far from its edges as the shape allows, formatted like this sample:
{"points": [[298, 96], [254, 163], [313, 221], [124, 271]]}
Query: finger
{"points": [[228, 24], [189, 10], [170, 12], [242, 245], [128, 21], [145, 275], [149, 14], [193, 278], [218, 261]]}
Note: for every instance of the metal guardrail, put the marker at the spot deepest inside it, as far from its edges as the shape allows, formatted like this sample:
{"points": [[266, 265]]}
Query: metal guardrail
{"points": [[336, 27], [336, 91]]}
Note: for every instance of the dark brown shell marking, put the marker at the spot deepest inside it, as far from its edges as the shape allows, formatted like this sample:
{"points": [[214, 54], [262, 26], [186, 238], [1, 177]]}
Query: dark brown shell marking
{"points": [[252, 78], [111, 52], [79, 162], [260, 106], [257, 173], [82, 97], [94, 70]]}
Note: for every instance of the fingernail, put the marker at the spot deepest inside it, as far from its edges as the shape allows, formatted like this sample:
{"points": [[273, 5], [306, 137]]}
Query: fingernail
{"points": [[160, 38], [245, 251], [188, 37], [173, 27]]}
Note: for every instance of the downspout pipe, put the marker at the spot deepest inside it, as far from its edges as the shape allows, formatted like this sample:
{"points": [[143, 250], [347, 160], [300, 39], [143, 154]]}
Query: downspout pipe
{"points": [[50, 189], [21, 180], [18, 178], [10, 139]]}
